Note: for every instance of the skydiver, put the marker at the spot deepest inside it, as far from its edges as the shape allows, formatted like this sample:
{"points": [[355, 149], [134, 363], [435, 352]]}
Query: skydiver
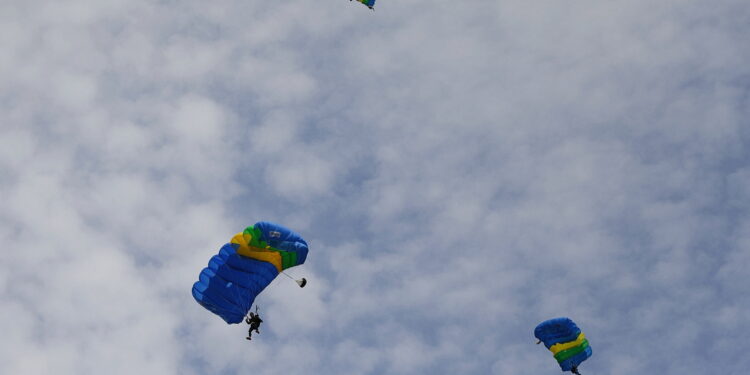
{"points": [[574, 370], [254, 321]]}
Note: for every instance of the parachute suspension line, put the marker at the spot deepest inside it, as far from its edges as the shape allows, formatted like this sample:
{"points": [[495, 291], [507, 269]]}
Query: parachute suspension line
{"points": [[301, 282]]}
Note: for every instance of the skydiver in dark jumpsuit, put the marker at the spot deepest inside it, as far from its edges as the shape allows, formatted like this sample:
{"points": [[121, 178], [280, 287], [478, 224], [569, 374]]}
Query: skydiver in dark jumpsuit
{"points": [[254, 321]]}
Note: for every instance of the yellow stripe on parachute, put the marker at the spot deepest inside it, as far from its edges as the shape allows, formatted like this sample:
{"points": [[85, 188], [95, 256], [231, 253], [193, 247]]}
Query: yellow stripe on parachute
{"points": [[267, 254], [567, 345]]}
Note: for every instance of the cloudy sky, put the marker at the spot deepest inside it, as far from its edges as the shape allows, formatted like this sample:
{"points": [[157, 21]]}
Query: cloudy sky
{"points": [[462, 170]]}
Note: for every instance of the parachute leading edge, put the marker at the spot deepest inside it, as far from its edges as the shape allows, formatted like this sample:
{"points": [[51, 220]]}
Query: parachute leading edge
{"points": [[245, 266]]}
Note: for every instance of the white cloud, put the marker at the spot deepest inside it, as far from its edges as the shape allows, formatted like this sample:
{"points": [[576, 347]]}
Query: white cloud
{"points": [[462, 171]]}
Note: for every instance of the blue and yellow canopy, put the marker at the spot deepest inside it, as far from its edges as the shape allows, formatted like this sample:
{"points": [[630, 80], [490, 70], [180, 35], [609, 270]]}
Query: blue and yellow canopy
{"points": [[245, 266], [565, 340]]}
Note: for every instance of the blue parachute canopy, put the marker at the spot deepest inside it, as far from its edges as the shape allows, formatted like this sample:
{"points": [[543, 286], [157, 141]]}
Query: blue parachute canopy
{"points": [[565, 340], [245, 266]]}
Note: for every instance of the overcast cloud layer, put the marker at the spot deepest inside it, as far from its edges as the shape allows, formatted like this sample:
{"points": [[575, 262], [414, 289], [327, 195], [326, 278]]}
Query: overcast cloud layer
{"points": [[462, 170]]}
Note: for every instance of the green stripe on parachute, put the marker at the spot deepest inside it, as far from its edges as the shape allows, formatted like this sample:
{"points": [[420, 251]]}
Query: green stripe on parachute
{"points": [[567, 353], [288, 258]]}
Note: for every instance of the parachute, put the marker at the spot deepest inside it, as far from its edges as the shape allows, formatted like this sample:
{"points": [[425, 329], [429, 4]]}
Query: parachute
{"points": [[245, 266], [566, 342], [370, 3]]}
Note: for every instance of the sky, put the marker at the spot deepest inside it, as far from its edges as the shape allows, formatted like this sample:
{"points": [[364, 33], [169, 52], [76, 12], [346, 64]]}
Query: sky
{"points": [[462, 170]]}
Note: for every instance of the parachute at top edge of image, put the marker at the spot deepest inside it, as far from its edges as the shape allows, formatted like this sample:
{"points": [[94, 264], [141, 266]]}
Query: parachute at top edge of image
{"points": [[370, 3]]}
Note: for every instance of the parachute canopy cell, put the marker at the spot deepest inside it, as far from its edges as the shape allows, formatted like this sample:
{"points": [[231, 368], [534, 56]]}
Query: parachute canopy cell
{"points": [[565, 340], [245, 266]]}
